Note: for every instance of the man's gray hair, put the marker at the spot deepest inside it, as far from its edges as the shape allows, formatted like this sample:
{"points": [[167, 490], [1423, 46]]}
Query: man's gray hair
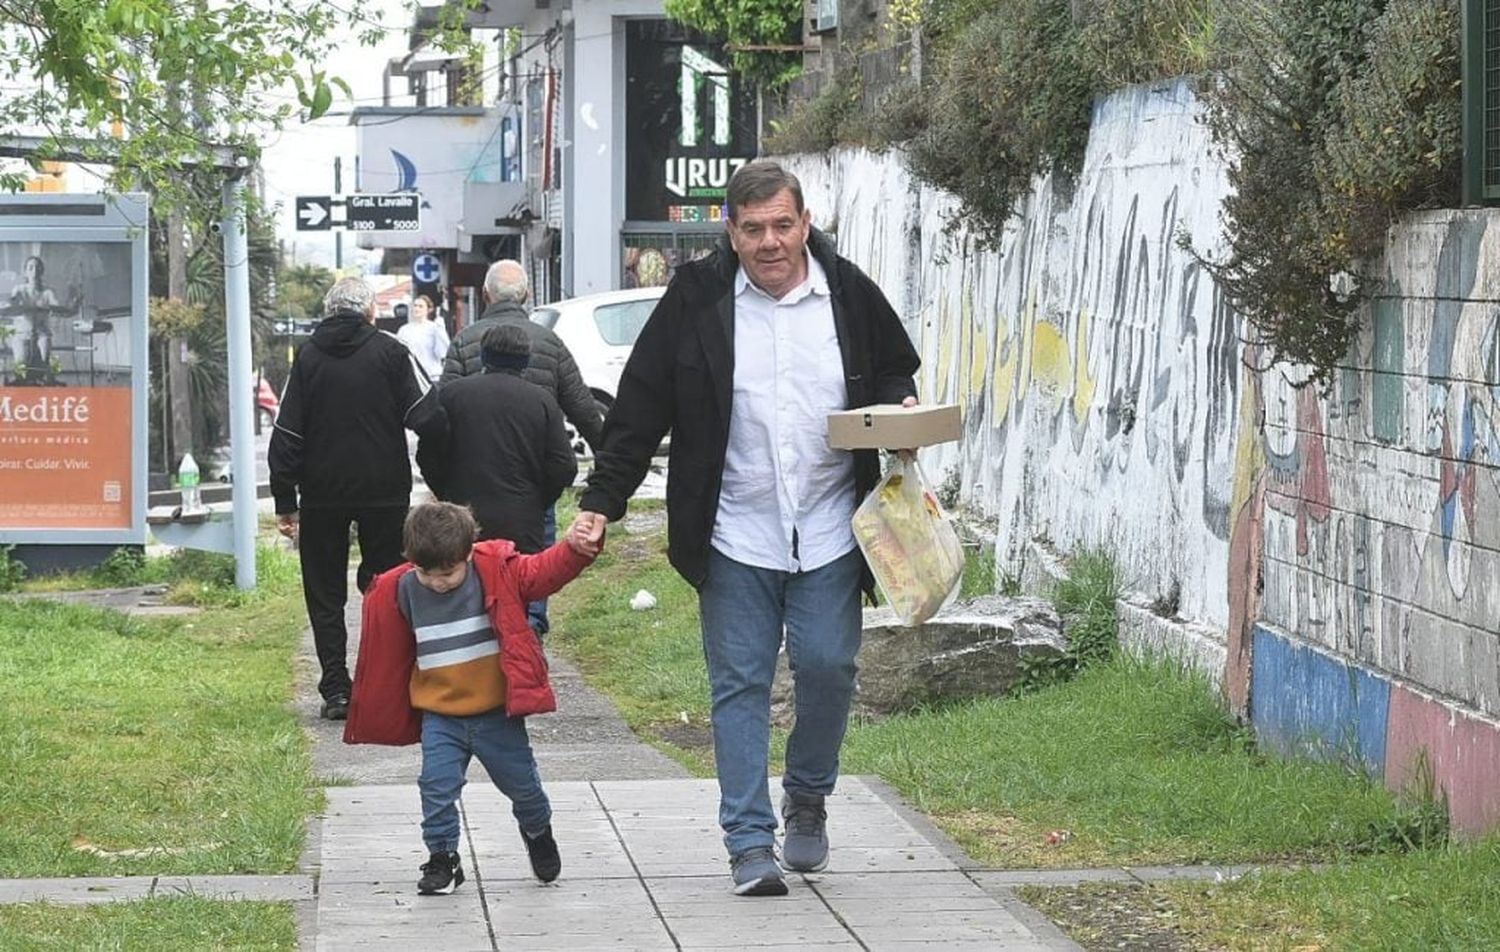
{"points": [[348, 296], [506, 282], [760, 181]]}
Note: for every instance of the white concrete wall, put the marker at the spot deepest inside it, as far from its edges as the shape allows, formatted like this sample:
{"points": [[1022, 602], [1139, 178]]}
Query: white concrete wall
{"points": [[597, 134], [1097, 367], [1108, 401]]}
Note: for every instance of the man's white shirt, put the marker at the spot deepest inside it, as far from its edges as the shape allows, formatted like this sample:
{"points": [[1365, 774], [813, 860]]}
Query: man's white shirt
{"points": [[786, 498]]}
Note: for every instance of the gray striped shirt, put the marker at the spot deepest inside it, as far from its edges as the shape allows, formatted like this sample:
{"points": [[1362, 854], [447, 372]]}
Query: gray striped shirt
{"points": [[451, 627]]}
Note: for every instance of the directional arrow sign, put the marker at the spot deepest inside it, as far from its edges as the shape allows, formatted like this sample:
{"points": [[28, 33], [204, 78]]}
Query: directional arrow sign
{"points": [[314, 212]]}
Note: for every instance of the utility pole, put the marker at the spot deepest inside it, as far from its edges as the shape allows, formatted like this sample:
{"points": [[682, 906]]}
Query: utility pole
{"points": [[338, 235], [179, 391]]}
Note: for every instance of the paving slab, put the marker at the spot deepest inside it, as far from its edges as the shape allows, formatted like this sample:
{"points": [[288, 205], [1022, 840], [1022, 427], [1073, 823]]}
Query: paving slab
{"points": [[644, 869]]}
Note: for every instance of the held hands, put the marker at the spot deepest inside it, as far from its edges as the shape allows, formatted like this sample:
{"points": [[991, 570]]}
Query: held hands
{"points": [[586, 535]]}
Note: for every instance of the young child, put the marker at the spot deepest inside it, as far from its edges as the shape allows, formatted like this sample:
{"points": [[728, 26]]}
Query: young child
{"points": [[447, 658]]}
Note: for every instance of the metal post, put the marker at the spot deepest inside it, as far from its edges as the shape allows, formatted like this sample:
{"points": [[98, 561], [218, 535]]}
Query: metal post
{"points": [[241, 400], [338, 234]]}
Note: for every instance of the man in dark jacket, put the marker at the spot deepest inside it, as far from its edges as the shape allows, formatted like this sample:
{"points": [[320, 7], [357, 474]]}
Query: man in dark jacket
{"points": [[340, 444], [503, 452], [742, 360], [552, 366]]}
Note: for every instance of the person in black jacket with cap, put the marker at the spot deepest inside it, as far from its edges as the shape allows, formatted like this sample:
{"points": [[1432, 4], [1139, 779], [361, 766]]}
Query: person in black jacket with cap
{"points": [[503, 450], [338, 457]]}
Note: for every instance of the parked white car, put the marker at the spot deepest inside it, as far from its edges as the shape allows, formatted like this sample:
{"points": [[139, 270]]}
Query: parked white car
{"points": [[600, 330]]}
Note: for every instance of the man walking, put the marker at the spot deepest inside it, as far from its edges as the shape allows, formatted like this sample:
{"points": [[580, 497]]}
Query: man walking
{"points": [[742, 360], [338, 457], [503, 451], [551, 367]]}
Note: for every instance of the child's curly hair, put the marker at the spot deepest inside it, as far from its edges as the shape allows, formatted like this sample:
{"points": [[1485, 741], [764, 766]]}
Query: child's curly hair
{"points": [[438, 535]]}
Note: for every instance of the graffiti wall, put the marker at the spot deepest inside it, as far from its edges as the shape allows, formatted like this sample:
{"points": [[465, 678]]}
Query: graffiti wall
{"points": [[1343, 543], [1096, 364]]}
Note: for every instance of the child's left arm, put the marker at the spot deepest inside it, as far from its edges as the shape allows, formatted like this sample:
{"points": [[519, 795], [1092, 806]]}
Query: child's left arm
{"points": [[544, 573]]}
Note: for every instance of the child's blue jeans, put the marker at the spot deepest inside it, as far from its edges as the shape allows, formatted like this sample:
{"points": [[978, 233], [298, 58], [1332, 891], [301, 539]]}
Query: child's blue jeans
{"points": [[501, 744]]}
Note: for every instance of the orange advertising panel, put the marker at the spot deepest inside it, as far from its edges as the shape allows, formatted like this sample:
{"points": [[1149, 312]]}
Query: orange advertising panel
{"points": [[65, 457]]}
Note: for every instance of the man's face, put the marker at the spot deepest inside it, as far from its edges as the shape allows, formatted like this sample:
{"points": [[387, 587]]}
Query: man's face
{"points": [[34, 270], [442, 580], [771, 239]]}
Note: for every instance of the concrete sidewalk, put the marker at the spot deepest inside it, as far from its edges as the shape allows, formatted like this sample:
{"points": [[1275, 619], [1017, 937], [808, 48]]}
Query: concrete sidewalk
{"points": [[644, 869]]}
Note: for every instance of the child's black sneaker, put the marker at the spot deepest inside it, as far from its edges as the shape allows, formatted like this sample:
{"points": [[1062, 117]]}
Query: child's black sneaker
{"points": [[441, 874], [542, 848]]}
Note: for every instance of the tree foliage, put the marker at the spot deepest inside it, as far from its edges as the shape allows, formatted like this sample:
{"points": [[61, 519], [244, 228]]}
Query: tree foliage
{"points": [[1335, 115], [151, 84], [749, 23]]}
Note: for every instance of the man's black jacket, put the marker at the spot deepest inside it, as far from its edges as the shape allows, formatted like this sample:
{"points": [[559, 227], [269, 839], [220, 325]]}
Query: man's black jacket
{"points": [[503, 451], [680, 377], [552, 366], [340, 439]]}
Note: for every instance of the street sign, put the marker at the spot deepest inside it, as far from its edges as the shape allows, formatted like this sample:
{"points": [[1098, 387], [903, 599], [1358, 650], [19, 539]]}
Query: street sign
{"points": [[426, 268], [313, 213], [395, 211], [379, 211]]}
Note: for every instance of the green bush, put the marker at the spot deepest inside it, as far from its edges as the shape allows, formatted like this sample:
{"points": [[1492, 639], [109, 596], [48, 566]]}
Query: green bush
{"points": [[12, 570], [125, 566], [1335, 115], [1009, 98]]}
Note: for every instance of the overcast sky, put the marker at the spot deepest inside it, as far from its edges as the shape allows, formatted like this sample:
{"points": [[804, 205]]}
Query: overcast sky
{"points": [[298, 160]]}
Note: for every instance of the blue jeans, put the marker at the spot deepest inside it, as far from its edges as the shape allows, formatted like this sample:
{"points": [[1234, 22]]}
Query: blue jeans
{"points": [[536, 612], [743, 612], [501, 744]]}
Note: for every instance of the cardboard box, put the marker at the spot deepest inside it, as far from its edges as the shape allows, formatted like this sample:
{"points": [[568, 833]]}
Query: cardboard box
{"points": [[891, 427]]}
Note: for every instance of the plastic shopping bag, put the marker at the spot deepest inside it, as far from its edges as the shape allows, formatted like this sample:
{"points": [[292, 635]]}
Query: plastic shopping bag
{"points": [[910, 543]]}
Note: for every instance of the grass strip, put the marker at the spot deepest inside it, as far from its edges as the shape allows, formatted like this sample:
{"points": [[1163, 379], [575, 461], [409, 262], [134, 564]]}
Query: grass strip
{"points": [[154, 746], [1138, 763], [178, 924]]}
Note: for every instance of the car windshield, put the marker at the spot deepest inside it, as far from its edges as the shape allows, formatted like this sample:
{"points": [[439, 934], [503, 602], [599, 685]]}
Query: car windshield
{"points": [[545, 316], [620, 324]]}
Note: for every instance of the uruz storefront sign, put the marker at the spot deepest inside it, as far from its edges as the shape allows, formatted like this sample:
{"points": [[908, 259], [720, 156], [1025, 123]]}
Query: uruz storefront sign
{"points": [[690, 124]]}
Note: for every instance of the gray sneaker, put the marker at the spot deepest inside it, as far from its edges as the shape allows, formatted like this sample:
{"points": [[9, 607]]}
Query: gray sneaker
{"points": [[756, 873], [805, 822]]}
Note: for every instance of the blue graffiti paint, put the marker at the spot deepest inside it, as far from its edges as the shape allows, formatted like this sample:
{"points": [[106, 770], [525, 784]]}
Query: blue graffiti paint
{"points": [[406, 171], [1305, 702]]}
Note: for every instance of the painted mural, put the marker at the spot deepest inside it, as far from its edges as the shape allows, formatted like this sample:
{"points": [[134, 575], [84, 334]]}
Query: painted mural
{"points": [[1337, 538]]}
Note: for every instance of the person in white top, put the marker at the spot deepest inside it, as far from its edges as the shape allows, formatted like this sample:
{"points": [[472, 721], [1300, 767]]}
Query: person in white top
{"points": [[743, 359], [425, 336]]}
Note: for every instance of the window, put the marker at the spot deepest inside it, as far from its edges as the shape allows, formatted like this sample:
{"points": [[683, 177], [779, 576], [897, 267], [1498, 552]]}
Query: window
{"points": [[620, 324]]}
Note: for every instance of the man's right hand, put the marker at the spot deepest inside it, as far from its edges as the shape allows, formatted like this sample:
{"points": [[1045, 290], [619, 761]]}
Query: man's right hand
{"points": [[590, 526], [287, 524]]}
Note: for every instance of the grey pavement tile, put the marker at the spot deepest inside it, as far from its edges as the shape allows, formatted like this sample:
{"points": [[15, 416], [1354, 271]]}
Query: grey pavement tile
{"points": [[888, 884], [711, 933], [1006, 879], [889, 907], [1155, 874], [258, 888], [849, 945], [994, 930], [946, 945], [884, 859], [364, 941], [74, 891]]}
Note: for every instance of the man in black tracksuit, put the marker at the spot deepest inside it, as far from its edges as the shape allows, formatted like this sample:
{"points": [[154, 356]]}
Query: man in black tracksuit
{"points": [[339, 443], [503, 451]]}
